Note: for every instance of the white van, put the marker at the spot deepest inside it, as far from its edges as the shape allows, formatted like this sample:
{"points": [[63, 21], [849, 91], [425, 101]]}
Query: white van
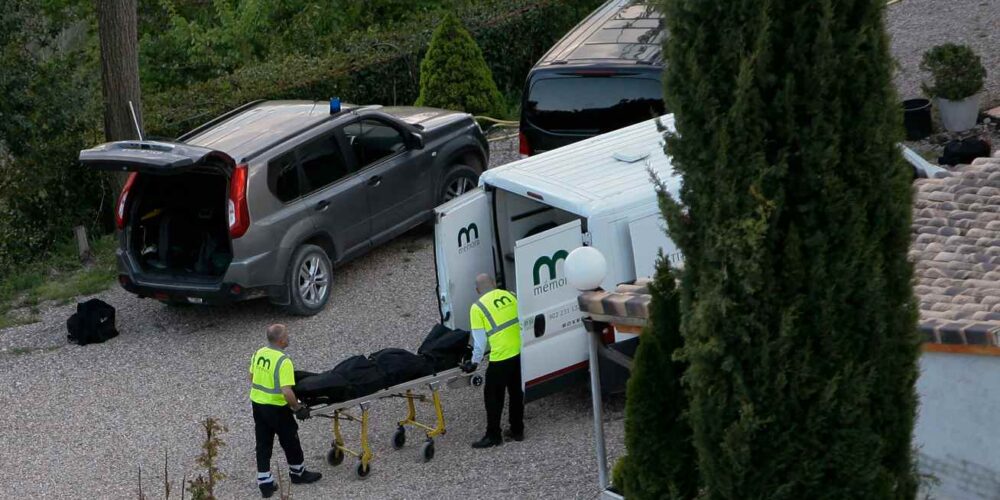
{"points": [[524, 219]]}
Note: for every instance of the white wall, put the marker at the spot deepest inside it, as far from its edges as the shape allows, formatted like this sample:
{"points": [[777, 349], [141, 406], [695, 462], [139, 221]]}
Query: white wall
{"points": [[958, 426]]}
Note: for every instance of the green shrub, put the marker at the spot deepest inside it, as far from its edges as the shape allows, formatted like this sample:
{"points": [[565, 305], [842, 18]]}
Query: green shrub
{"points": [[957, 72], [453, 74], [794, 219], [374, 67], [661, 460]]}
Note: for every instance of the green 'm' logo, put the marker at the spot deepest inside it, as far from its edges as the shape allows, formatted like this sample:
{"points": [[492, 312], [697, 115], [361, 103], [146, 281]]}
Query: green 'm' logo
{"points": [[467, 232], [502, 301], [550, 262]]}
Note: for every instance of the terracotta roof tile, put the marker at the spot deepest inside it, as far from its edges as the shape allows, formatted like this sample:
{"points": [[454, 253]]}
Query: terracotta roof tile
{"points": [[956, 255]]}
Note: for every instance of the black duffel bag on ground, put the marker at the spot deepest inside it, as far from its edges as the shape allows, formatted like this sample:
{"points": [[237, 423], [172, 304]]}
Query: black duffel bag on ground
{"points": [[321, 388], [445, 348], [93, 322], [400, 365], [363, 377]]}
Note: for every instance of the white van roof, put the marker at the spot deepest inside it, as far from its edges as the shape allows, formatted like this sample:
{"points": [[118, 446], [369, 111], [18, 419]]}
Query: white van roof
{"points": [[594, 176]]}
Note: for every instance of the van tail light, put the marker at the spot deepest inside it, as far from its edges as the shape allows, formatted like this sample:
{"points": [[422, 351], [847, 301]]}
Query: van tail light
{"points": [[239, 213], [523, 146], [122, 200]]}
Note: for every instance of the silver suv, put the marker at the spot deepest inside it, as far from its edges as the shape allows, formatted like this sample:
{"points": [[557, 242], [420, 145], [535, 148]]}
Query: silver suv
{"points": [[266, 200]]}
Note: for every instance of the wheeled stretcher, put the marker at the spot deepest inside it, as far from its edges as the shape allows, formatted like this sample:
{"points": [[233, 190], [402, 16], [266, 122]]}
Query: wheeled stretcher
{"points": [[357, 410]]}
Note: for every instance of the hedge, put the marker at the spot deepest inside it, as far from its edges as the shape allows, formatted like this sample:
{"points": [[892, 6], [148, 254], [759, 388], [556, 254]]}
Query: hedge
{"points": [[377, 67]]}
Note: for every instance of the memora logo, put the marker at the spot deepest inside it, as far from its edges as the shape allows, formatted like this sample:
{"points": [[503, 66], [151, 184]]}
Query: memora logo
{"points": [[264, 363], [502, 301], [468, 238], [548, 263]]}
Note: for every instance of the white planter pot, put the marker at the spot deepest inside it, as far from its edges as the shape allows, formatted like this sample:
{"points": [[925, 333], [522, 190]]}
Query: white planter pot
{"points": [[957, 116]]}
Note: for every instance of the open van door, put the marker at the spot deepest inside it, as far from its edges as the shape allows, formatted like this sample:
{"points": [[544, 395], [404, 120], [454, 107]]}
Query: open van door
{"points": [[542, 289], [463, 248]]}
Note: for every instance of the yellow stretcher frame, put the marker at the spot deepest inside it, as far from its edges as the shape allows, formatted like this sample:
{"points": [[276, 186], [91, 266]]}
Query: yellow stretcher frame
{"points": [[358, 411]]}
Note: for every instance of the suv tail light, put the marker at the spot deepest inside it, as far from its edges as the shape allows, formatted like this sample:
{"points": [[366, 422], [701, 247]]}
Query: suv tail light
{"points": [[523, 146], [122, 200], [239, 213]]}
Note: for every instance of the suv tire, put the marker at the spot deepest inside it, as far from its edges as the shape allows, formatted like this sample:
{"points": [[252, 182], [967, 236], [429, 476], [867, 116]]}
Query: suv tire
{"points": [[459, 180], [309, 280]]}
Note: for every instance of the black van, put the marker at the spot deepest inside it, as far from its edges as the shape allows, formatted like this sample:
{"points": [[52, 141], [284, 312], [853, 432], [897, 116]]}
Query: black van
{"points": [[602, 76]]}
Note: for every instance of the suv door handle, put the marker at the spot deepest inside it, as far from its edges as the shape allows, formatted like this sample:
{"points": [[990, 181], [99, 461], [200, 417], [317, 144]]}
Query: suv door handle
{"points": [[323, 205], [375, 180]]}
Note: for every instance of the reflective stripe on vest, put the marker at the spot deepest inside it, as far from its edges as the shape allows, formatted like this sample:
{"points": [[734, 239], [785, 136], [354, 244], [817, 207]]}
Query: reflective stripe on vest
{"points": [[277, 378], [266, 366], [505, 338]]}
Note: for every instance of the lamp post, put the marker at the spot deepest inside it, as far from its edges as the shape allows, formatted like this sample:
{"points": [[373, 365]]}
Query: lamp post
{"points": [[586, 269]]}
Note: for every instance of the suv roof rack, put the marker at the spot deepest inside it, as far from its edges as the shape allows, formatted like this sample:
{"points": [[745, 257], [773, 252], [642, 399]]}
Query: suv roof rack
{"points": [[201, 128]]}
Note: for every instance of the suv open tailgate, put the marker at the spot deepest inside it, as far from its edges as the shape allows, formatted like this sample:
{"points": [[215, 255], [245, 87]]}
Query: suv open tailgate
{"points": [[154, 157]]}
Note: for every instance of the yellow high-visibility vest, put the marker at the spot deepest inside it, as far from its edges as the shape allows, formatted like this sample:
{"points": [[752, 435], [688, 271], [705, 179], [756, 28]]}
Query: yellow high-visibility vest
{"points": [[271, 370], [496, 313]]}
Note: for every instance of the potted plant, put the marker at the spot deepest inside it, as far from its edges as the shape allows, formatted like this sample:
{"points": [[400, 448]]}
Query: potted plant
{"points": [[957, 77]]}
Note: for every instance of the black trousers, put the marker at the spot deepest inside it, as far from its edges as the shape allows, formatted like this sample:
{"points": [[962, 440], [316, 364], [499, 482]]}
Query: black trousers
{"points": [[504, 376], [270, 420]]}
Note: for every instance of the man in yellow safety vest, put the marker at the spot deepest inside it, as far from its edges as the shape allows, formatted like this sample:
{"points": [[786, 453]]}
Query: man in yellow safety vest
{"points": [[271, 379], [494, 320]]}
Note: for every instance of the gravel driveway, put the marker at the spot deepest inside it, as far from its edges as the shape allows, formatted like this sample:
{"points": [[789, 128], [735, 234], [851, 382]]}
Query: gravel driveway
{"points": [[917, 25], [80, 421]]}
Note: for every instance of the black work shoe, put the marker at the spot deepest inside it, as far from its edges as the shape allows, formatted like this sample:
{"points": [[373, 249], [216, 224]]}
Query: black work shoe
{"points": [[306, 477], [519, 436], [487, 442], [267, 489]]}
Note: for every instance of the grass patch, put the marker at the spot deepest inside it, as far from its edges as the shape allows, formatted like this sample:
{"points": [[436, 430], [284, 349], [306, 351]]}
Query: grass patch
{"points": [[58, 276]]}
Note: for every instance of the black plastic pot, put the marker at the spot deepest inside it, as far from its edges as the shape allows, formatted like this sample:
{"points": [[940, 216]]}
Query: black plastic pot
{"points": [[917, 118]]}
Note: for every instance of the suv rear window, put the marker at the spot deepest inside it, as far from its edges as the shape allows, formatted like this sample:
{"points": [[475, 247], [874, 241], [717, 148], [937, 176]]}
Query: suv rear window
{"points": [[587, 104]]}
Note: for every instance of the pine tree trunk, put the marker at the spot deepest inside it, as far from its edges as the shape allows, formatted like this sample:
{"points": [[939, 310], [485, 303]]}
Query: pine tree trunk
{"points": [[117, 24]]}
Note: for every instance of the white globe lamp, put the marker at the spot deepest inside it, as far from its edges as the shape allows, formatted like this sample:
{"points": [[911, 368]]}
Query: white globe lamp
{"points": [[586, 268]]}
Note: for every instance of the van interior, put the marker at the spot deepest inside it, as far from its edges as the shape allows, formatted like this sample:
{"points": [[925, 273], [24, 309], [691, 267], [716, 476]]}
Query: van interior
{"points": [[519, 217], [178, 225]]}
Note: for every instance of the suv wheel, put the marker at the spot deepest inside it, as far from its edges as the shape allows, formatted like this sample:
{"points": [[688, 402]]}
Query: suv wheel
{"points": [[309, 280], [460, 180]]}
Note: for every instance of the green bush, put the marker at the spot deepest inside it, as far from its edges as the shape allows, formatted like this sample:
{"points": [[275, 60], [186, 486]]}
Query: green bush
{"points": [[453, 74], [794, 219], [50, 110], [661, 460], [957, 72], [374, 67]]}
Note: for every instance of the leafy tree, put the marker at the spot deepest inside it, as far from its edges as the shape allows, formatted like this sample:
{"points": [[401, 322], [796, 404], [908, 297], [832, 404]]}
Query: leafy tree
{"points": [[661, 460], [454, 75], [794, 217]]}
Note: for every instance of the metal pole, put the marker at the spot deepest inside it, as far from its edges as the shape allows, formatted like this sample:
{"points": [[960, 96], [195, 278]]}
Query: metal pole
{"points": [[595, 398]]}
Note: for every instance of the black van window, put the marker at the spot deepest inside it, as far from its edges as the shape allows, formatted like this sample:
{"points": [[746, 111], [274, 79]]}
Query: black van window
{"points": [[283, 177], [372, 140], [322, 163], [589, 104]]}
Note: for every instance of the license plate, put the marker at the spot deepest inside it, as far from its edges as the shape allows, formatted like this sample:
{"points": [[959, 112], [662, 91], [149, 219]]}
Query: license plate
{"points": [[196, 300]]}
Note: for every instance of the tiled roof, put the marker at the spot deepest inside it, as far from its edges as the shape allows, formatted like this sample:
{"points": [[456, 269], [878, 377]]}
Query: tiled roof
{"points": [[956, 255], [628, 304]]}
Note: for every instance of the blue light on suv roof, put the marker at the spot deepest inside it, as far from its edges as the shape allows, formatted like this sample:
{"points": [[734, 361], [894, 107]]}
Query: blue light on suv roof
{"points": [[334, 105]]}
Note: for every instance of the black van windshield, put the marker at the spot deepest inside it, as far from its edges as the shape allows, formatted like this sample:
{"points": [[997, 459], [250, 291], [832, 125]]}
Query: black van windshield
{"points": [[592, 104]]}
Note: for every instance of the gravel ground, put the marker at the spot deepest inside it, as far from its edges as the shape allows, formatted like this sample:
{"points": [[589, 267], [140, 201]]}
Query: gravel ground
{"points": [[917, 25], [80, 421]]}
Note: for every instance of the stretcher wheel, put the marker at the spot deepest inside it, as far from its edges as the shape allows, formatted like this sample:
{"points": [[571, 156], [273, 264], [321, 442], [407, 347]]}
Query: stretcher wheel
{"points": [[476, 380], [335, 456], [428, 450], [399, 438], [362, 471]]}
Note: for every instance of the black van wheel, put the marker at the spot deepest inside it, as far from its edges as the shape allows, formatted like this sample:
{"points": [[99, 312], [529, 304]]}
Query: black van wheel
{"points": [[309, 278], [459, 180]]}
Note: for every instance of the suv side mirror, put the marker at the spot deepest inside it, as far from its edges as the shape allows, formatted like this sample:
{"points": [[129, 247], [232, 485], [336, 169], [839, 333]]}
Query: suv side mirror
{"points": [[539, 325], [416, 141]]}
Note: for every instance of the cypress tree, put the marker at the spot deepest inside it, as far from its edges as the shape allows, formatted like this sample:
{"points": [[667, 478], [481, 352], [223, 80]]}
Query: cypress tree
{"points": [[454, 75], [799, 319], [660, 463]]}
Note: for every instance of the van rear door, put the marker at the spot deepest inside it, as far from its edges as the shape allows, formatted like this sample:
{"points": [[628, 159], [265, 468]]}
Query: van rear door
{"points": [[542, 288], [154, 157], [463, 248]]}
